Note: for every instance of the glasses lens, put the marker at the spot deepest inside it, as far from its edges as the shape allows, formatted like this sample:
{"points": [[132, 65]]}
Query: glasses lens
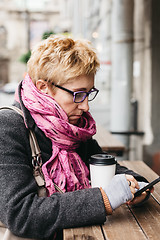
{"points": [[92, 95], [80, 96]]}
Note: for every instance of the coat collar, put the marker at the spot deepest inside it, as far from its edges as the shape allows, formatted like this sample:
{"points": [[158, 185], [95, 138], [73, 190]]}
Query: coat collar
{"points": [[27, 116]]}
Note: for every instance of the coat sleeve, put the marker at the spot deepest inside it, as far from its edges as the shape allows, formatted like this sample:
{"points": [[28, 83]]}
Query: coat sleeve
{"points": [[21, 210]]}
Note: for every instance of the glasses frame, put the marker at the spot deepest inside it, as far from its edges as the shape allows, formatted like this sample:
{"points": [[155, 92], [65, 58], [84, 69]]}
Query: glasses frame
{"points": [[74, 93]]}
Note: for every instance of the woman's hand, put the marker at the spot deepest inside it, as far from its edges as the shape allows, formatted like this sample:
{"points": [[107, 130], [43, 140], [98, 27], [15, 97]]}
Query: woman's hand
{"points": [[134, 186], [118, 191]]}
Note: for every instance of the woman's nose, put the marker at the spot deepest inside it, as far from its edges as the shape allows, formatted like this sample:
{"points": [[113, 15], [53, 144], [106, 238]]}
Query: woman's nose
{"points": [[84, 105]]}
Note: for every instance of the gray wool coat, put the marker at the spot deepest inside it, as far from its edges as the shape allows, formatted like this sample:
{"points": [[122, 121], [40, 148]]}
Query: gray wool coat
{"points": [[21, 210]]}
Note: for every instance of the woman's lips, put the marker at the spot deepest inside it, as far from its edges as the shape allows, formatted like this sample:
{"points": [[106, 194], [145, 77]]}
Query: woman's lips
{"points": [[74, 118]]}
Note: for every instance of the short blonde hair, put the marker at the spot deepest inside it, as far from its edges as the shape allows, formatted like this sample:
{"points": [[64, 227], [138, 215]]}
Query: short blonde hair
{"points": [[59, 58]]}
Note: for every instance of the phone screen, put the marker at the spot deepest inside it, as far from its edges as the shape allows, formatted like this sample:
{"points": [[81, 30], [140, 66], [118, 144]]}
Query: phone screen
{"points": [[148, 186]]}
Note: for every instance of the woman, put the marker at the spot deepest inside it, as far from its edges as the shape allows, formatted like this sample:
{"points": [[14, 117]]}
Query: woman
{"points": [[54, 99]]}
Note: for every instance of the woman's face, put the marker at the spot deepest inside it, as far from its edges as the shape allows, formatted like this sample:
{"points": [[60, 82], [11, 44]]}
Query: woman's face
{"points": [[65, 99]]}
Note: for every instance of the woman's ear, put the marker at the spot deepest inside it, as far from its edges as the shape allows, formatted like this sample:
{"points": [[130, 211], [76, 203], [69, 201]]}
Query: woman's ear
{"points": [[42, 86]]}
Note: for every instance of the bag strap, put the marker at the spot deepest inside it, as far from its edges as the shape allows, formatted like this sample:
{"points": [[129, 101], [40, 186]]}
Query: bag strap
{"points": [[35, 150], [36, 156]]}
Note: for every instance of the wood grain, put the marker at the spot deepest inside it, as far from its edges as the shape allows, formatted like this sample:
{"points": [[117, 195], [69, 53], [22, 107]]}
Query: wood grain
{"points": [[83, 233], [122, 225]]}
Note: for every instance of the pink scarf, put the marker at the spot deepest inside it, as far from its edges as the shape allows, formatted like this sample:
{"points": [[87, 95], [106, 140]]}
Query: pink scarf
{"points": [[65, 168]]}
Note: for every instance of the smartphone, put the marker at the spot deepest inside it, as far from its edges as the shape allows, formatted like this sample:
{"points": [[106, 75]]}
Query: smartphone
{"points": [[148, 186]]}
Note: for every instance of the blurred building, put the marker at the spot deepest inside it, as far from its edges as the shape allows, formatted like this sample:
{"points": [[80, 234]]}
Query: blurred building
{"points": [[22, 24]]}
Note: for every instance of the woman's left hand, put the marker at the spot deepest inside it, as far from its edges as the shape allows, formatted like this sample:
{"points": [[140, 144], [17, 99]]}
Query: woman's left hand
{"points": [[134, 184], [140, 198]]}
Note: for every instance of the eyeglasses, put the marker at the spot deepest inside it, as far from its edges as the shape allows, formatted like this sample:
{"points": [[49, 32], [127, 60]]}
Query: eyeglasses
{"points": [[80, 96]]}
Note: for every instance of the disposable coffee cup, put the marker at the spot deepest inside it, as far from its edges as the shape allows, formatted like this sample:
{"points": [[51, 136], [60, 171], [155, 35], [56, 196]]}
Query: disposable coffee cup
{"points": [[102, 169]]}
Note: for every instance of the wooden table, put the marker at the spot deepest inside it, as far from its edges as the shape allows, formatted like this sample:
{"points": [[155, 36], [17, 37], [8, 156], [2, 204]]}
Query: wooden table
{"points": [[127, 222], [108, 142]]}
